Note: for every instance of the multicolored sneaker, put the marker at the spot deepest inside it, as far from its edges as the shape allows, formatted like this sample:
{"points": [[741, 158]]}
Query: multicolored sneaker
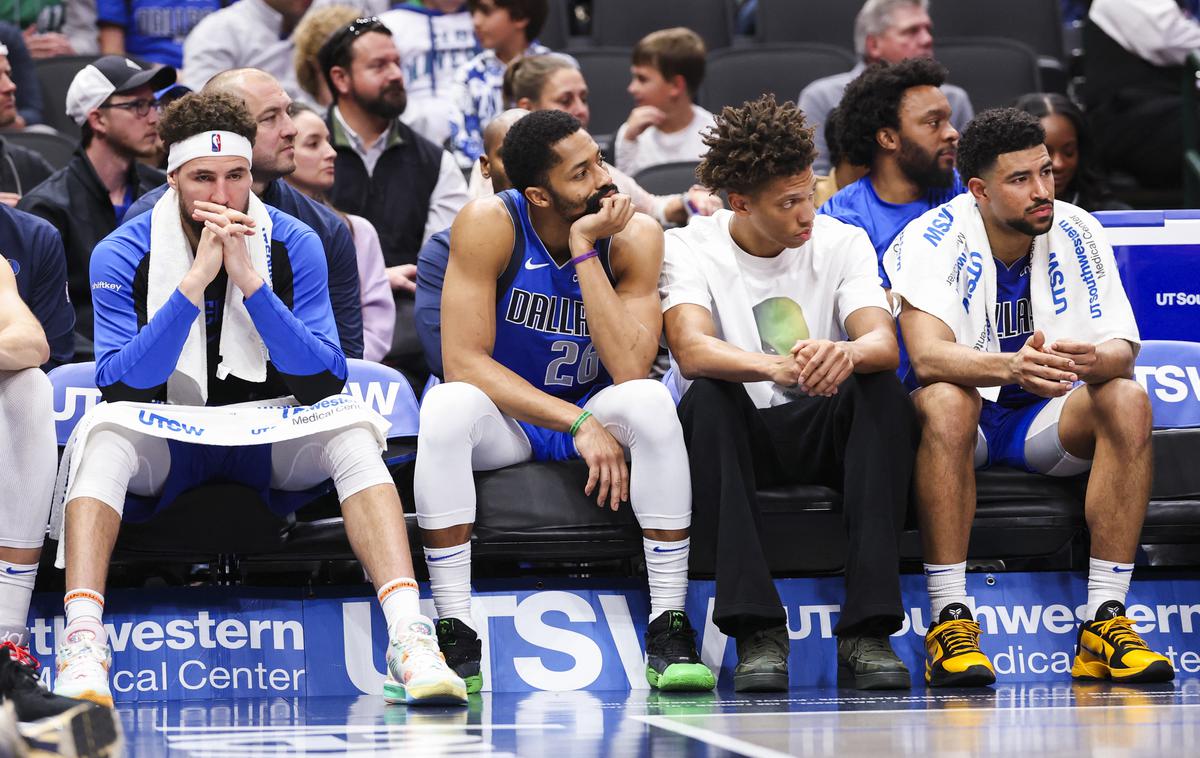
{"points": [[672, 663], [51, 723], [83, 665], [954, 658], [463, 651], [417, 670], [1108, 648]]}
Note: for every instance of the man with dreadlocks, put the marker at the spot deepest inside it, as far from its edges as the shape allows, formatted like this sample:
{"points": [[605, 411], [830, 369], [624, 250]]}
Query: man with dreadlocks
{"points": [[782, 338]]}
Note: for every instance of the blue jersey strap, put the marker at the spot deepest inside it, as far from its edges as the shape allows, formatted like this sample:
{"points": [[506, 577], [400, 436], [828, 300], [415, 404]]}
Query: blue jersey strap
{"points": [[518, 252]]}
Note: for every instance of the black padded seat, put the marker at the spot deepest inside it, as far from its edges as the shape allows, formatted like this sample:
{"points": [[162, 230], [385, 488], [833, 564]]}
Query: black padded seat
{"points": [[1176, 464]]}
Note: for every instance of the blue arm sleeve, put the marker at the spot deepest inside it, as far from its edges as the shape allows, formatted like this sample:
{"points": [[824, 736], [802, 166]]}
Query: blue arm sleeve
{"points": [[427, 308], [133, 364], [343, 290], [29, 92], [48, 297]]}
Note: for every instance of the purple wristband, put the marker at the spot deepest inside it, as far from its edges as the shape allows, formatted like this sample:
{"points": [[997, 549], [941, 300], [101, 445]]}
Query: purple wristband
{"points": [[581, 258]]}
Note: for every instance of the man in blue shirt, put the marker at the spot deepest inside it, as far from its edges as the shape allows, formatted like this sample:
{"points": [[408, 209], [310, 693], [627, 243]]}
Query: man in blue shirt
{"points": [[896, 121], [152, 30]]}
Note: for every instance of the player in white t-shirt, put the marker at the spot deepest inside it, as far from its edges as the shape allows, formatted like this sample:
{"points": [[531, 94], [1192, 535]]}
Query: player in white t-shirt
{"points": [[666, 125], [782, 338]]}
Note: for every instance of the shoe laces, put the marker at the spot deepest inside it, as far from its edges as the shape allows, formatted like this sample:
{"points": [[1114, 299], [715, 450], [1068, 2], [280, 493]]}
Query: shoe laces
{"points": [[762, 644], [82, 656], [22, 669], [676, 643], [1119, 630], [420, 649], [959, 636], [874, 645], [21, 655]]}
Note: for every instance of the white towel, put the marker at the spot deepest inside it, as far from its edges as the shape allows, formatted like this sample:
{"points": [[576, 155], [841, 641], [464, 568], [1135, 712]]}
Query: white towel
{"points": [[242, 351], [942, 264]]}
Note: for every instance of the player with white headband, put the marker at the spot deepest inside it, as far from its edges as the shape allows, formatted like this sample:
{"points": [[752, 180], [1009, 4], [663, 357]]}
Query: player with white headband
{"points": [[213, 299]]}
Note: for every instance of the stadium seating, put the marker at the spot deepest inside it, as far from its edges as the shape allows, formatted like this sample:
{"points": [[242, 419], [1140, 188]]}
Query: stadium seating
{"points": [[741, 74], [606, 70], [994, 71], [56, 148], [55, 75], [1036, 23], [668, 178], [821, 21], [624, 22], [556, 31]]}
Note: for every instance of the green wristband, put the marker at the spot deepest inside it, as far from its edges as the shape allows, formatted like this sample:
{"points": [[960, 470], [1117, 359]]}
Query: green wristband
{"points": [[579, 422]]}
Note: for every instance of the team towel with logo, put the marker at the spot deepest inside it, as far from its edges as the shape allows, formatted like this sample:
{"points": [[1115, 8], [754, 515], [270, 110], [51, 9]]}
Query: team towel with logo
{"points": [[942, 264]]}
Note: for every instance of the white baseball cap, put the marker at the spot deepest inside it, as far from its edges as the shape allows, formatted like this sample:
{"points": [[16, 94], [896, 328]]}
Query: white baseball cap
{"points": [[111, 75]]}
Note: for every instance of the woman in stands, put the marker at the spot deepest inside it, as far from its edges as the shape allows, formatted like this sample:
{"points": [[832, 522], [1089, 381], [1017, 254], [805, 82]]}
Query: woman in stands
{"points": [[314, 177], [1077, 178], [554, 82]]}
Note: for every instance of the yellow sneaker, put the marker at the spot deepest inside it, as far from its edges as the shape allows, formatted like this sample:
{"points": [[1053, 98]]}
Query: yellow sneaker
{"points": [[1108, 648], [953, 656]]}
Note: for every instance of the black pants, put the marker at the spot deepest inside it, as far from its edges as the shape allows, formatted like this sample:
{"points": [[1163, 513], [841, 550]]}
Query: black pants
{"points": [[861, 442]]}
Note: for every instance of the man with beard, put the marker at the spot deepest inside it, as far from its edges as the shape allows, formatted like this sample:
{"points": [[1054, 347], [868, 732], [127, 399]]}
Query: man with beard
{"points": [[113, 102], [405, 185], [531, 377], [895, 121], [1020, 331]]}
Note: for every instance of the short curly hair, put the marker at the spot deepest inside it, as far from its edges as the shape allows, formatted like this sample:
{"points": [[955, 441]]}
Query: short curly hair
{"points": [[872, 102], [205, 112], [317, 26], [994, 133], [528, 148], [750, 145]]}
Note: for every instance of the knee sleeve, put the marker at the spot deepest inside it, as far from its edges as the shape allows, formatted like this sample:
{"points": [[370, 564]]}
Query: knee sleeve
{"points": [[118, 461], [350, 457], [28, 457], [1044, 451]]}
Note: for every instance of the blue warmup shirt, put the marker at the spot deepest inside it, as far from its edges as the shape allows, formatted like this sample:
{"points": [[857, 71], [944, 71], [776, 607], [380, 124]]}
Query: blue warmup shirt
{"points": [[136, 355], [340, 256], [34, 250], [432, 260], [1014, 322], [858, 204], [155, 29]]}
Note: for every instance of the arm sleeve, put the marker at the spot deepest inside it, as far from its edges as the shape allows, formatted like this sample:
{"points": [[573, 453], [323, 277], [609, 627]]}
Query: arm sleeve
{"points": [[133, 364], [303, 341], [681, 280], [29, 92], [427, 306], [48, 297], [342, 287], [860, 285], [449, 196]]}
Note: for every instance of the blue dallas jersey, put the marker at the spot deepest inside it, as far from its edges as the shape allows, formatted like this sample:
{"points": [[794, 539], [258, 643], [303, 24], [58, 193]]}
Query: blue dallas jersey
{"points": [[541, 324], [1014, 322]]}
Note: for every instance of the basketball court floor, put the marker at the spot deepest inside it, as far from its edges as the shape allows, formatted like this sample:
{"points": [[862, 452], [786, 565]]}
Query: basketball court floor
{"points": [[1058, 719]]}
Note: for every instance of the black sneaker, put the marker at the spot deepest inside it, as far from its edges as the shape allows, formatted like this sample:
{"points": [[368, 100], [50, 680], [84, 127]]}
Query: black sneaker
{"points": [[462, 649], [762, 661], [867, 662], [672, 663], [49, 722]]}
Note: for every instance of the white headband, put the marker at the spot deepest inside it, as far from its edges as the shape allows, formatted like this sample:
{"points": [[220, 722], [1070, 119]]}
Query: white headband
{"points": [[209, 145]]}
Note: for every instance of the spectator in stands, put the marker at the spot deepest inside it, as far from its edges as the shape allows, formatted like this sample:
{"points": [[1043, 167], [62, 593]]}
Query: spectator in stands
{"points": [[505, 30], [208, 235], [435, 253], [1077, 179], [43, 23], [776, 319], [21, 169], [434, 39], [274, 158], [1133, 67], [80, 26], [24, 76], [246, 34], [895, 120], [317, 26], [665, 124], [33, 301], [314, 177], [844, 173], [405, 185], [150, 30], [113, 102], [554, 82], [521, 388], [885, 30], [1030, 369]]}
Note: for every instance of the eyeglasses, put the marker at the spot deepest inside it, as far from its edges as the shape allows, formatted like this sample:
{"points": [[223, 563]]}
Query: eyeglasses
{"points": [[138, 108], [345, 36]]}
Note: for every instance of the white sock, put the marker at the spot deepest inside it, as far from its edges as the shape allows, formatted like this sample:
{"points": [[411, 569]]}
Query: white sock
{"points": [[16, 589], [1106, 581], [947, 583], [450, 580], [399, 599], [85, 613], [667, 574]]}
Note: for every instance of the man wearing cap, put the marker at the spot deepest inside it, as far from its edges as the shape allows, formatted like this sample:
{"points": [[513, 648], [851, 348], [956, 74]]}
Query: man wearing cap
{"points": [[21, 169], [209, 300], [113, 102]]}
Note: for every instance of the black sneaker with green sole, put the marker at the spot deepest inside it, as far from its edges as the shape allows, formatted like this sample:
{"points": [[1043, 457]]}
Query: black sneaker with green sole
{"points": [[672, 663], [462, 649]]}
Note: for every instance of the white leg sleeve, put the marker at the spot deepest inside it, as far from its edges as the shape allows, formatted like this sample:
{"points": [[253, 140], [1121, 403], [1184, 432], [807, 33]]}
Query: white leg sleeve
{"points": [[462, 431], [981, 448], [349, 457], [117, 461], [1044, 451], [28, 457], [641, 416]]}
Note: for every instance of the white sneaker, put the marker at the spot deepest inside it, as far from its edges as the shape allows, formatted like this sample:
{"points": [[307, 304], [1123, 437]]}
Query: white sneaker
{"points": [[417, 670], [83, 665]]}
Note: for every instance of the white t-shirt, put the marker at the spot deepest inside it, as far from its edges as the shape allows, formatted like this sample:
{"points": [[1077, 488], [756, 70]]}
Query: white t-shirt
{"points": [[803, 293], [653, 147]]}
